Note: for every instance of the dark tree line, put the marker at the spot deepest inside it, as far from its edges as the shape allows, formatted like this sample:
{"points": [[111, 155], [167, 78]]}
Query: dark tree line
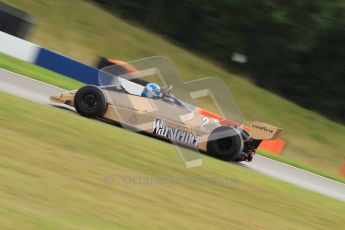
{"points": [[295, 48]]}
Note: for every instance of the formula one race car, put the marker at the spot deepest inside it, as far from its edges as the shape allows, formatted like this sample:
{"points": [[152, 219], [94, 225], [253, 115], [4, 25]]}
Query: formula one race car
{"points": [[164, 115]]}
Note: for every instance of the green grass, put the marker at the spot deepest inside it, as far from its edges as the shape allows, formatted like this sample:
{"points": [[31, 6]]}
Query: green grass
{"points": [[82, 30], [36, 72], [62, 171]]}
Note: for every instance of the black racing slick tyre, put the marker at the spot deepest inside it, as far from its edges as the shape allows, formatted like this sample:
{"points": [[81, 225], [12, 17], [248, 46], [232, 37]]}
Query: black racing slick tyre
{"points": [[225, 143], [90, 101]]}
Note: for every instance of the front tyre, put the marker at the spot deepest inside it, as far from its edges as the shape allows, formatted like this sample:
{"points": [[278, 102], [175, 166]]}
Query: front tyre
{"points": [[90, 101], [225, 143]]}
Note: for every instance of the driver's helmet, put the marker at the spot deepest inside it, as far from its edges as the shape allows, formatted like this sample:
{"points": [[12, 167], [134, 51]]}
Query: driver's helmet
{"points": [[151, 90]]}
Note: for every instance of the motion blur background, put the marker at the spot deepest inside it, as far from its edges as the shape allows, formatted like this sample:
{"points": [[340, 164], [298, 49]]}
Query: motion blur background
{"points": [[294, 48]]}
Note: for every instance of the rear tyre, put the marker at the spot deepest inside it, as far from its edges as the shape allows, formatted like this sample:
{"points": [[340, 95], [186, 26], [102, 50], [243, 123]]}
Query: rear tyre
{"points": [[90, 101], [225, 143]]}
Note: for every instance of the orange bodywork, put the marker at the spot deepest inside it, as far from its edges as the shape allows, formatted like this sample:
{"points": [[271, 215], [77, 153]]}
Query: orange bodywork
{"points": [[128, 68], [275, 146], [342, 170]]}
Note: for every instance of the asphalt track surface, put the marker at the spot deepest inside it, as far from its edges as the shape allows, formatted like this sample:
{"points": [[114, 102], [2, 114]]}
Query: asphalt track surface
{"points": [[39, 92]]}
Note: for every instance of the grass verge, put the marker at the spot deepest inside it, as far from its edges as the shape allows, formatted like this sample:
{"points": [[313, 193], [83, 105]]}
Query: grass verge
{"points": [[62, 171], [36, 72]]}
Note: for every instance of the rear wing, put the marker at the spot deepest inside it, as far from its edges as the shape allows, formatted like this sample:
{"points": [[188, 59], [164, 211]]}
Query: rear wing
{"points": [[264, 131]]}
